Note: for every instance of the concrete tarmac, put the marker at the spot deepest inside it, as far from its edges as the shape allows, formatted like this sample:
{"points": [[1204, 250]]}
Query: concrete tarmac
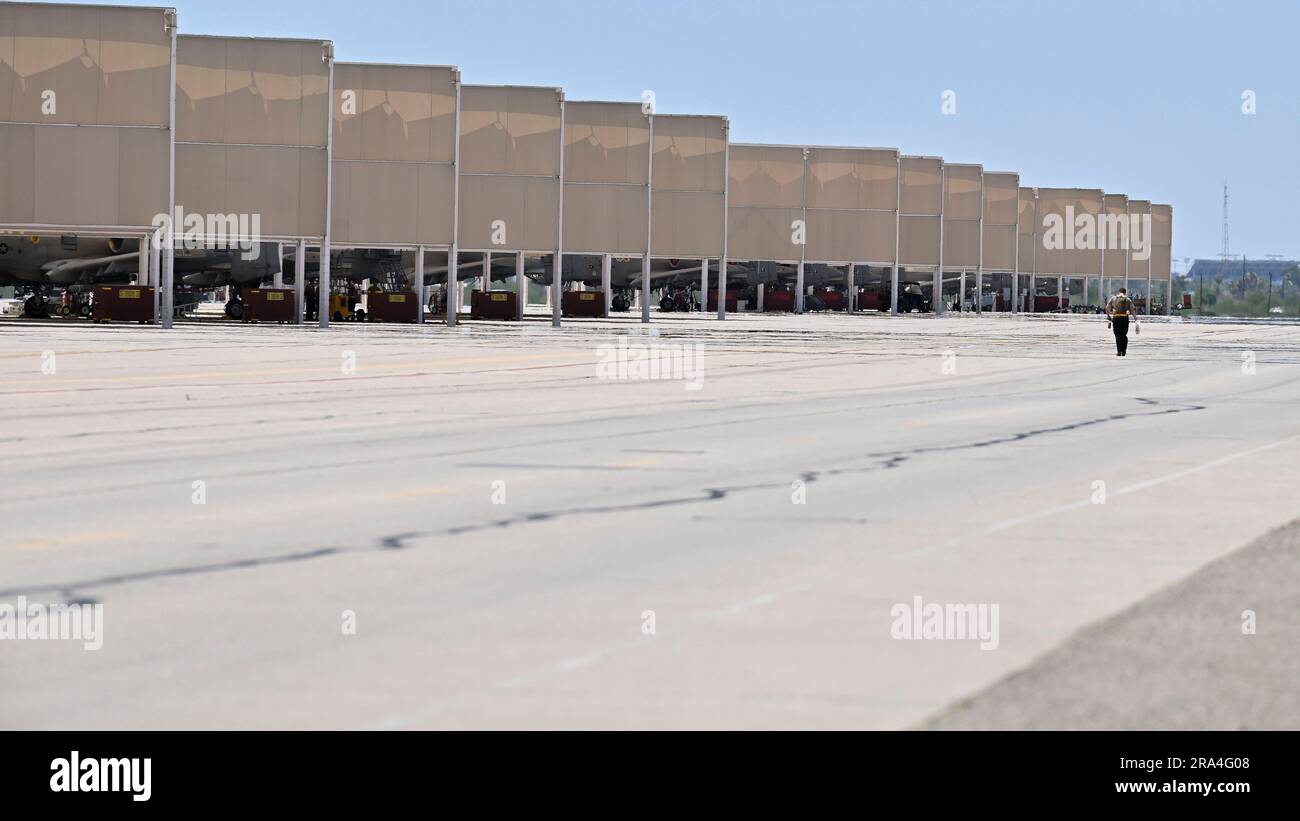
{"points": [[487, 527]]}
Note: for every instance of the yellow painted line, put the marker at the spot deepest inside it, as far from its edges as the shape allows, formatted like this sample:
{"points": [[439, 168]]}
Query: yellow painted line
{"points": [[801, 440], [363, 369], [415, 493], [74, 540], [640, 463]]}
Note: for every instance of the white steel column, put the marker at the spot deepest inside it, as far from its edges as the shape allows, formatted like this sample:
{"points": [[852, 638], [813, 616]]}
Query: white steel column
{"points": [[521, 287], [277, 277], [798, 289], [167, 274], [453, 286], [645, 289], [936, 300], [851, 292], [704, 285], [606, 277], [323, 288], [419, 285], [300, 281], [453, 256], [143, 268], [649, 224], [324, 278], [168, 277], [155, 265], [761, 292], [487, 272], [142, 276], [726, 223], [557, 267], [898, 227], [961, 291]]}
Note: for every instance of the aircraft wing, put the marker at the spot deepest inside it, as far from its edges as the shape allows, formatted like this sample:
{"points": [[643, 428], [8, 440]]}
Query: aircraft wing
{"points": [[68, 266]]}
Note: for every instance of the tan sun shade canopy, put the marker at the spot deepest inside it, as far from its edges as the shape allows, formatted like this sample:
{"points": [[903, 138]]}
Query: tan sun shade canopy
{"points": [[689, 184], [756, 233], [1114, 217], [252, 125], [1029, 227], [922, 192], [394, 147], [851, 198], [1139, 264], [963, 190], [918, 240], [851, 236], [606, 173], [766, 176], [845, 197], [765, 194], [510, 145], [83, 65], [1001, 190], [853, 178], [1162, 226], [1067, 220]]}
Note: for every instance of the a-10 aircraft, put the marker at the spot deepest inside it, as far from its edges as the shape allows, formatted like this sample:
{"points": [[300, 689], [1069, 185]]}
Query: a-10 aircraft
{"points": [[76, 263]]}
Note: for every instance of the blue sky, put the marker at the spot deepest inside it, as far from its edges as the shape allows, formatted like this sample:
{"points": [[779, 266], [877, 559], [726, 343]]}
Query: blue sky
{"points": [[1140, 97]]}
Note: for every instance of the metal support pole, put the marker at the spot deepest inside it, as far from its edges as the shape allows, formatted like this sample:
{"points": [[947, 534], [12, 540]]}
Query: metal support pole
{"points": [[606, 284], [645, 289], [323, 288], [155, 265], [324, 282], [704, 285], [961, 291], [143, 276], [521, 287], [487, 273], [453, 255], [277, 278], [798, 289], [557, 267], [168, 278], [300, 281], [937, 301], [168, 236], [850, 291], [761, 292], [979, 292], [453, 286], [898, 228], [726, 226], [419, 285]]}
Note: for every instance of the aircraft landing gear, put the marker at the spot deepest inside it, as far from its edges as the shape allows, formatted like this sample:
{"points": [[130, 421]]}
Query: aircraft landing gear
{"points": [[235, 305], [679, 299], [36, 307]]}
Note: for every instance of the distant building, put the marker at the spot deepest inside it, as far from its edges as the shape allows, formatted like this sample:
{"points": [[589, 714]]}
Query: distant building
{"points": [[1232, 269]]}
